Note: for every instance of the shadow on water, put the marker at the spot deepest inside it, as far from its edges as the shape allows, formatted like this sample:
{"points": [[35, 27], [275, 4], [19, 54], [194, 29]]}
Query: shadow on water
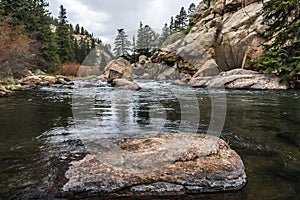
{"points": [[40, 136]]}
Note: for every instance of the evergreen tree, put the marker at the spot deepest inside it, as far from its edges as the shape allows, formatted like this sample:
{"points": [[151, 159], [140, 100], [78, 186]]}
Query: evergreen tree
{"points": [[172, 25], [19, 11], [65, 42], [48, 52], [82, 31], [181, 20], [283, 54], [122, 44], [140, 37], [191, 9], [147, 40], [77, 29], [164, 34]]}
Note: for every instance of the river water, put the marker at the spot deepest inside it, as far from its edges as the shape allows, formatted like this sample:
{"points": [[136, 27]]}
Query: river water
{"points": [[43, 130]]}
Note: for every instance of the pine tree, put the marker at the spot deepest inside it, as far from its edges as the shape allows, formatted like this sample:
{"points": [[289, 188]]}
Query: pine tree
{"points": [[164, 34], [48, 52], [191, 9], [82, 31], [140, 37], [134, 48], [65, 43], [19, 11], [147, 40], [122, 44], [283, 54], [172, 25], [181, 20], [77, 29]]}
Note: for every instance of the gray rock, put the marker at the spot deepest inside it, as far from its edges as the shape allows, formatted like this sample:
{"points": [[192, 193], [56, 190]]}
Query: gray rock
{"points": [[161, 164], [222, 32], [240, 79], [210, 68]]}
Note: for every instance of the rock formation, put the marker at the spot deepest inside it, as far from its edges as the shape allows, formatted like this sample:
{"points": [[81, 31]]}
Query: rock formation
{"points": [[225, 35], [119, 68], [161, 164], [119, 73], [239, 79]]}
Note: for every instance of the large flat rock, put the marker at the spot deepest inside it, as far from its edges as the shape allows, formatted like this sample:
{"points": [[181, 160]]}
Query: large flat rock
{"points": [[240, 79], [161, 164]]}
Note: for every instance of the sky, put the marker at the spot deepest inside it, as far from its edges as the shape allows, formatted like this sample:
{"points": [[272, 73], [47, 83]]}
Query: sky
{"points": [[104, 17]]}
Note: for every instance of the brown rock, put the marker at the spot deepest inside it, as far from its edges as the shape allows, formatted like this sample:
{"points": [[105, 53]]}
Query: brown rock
{"points": [[119, 68], [143, 59], [4, 92], [251, 54], [162, 164], [240, 79], [125, 84]]}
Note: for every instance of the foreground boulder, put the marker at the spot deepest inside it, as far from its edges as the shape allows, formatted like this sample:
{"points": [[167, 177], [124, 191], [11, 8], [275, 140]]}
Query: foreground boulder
{"points": [[240, 79], [161, 164]]}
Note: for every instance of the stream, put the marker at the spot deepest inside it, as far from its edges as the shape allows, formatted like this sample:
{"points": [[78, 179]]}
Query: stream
{"points": [[43, 130]]}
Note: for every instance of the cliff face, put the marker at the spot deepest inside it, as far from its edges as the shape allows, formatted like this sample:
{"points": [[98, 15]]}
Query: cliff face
{"points": [[225, 35]]}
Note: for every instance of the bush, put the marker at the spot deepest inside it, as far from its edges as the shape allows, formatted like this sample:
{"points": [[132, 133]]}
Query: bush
{"points": [[16, 50], [70, 69]]}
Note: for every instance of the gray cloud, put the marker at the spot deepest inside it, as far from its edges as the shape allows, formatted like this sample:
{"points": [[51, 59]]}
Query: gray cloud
{"points": [[104, 17]]}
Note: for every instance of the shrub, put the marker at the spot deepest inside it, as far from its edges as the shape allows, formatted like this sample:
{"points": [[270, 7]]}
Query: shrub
{"points": [[70, 69], [16, 50]]}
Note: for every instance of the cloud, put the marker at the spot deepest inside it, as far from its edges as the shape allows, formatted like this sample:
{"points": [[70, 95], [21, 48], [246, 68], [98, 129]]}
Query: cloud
{"points": [[104, 17]]}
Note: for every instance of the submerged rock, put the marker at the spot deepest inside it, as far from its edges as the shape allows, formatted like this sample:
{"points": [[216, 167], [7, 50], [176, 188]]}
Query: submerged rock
{"points": [[123, 83], [161, 164]]}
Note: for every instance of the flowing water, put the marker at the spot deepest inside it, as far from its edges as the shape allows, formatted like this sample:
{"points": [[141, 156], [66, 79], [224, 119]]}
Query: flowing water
{"points": [[43, 130]]}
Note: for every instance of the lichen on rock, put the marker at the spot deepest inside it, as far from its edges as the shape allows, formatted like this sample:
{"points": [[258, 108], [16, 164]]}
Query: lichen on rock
{"points": [[161, 164]]}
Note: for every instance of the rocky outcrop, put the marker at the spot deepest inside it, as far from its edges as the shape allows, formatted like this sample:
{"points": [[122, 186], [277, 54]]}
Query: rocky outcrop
{"points": [[239, 79], [225, 35], [161, 164], [156, 71]]}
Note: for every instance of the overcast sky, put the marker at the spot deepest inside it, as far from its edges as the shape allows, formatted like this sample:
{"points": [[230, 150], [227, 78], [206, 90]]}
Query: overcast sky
{"points": [[104, 17]]}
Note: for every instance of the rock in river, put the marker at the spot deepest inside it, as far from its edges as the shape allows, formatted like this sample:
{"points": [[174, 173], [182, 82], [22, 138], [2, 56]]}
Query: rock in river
{"points": [[123, 83], [160, 164]]}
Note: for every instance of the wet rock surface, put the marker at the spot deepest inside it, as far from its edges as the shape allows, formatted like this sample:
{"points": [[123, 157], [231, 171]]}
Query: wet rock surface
{"points": [[161, 164], [36, 81]]}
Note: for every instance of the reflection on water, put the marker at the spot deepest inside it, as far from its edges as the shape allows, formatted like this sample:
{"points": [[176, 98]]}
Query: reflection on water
{"points": [[41, 131]]}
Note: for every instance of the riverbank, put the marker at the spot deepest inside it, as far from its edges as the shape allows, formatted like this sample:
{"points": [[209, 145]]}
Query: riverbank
{"points": [[234, 79]]}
